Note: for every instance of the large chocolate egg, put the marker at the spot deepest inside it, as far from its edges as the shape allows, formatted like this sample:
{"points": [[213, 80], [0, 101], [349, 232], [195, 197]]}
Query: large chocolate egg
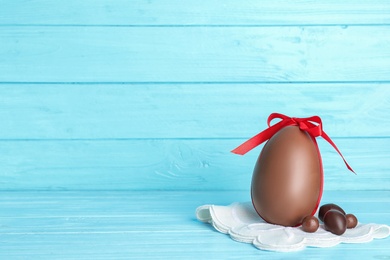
{"points": [[287, 179]]}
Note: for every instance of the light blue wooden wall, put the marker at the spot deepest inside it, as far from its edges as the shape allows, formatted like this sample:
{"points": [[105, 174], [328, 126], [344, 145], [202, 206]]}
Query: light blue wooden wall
{"points": [[152, 95]]}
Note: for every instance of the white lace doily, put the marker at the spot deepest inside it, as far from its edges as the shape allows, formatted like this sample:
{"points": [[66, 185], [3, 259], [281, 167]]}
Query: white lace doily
{"points": [[242, 223]]}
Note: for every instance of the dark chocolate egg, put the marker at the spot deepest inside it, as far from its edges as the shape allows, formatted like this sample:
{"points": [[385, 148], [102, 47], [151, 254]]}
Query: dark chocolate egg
{"points": [[335, 222], [326, 207], [287, 179]]}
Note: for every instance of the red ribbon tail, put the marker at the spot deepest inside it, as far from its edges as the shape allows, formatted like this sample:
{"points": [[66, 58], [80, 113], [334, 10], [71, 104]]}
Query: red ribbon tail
{"points": [[249, 144], [327, 138], [259, 138]]}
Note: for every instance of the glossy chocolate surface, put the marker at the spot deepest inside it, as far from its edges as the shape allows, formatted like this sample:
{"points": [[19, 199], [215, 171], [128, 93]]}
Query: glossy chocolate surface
{"points": [[351, 220], [310, 224], [326, 207], [287, 182], [335, 222]]}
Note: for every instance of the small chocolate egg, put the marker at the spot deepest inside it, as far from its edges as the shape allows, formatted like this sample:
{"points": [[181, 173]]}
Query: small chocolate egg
{"points": [[310, 224], [335, 222], [351, 220], [287, 179], [325, 208]]}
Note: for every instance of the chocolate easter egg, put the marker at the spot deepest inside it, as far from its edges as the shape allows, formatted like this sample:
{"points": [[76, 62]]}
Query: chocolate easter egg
{"points": [[287, 179], [335, 222], [352, 221], [325, 208], [310, 224]]}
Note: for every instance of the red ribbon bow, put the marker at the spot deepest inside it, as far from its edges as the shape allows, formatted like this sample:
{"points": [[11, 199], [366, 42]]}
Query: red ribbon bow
{"points": [[312, 125]]}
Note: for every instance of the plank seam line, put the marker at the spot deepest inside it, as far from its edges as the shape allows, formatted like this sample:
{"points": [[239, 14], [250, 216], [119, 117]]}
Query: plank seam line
{"points": [[188, 82], [160, 139], [85, 192], [344, 26]]}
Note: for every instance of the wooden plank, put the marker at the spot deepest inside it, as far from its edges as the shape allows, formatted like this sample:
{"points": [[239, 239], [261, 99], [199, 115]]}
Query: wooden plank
{"points": [[146, 225], [176, 12], [198, 164], [187, 54], [186, 111]]}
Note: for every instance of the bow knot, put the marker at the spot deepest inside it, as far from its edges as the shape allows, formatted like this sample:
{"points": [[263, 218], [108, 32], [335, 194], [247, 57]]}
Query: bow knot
{"points": [[304, 124], [312, 125]]}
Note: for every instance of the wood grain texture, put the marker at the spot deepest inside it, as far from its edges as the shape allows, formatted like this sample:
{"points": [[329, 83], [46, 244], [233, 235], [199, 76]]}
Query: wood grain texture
{"points": [[114, 111], [117, 118], [198, 164], [176, 12], [150, 225], [181, 54]]}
